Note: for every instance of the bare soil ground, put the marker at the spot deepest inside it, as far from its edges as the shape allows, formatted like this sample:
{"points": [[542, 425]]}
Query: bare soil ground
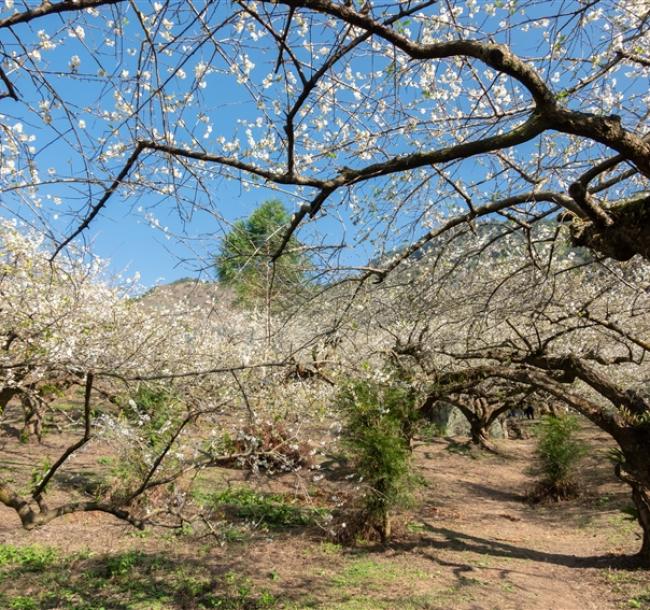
{"points": [[472, 543]]}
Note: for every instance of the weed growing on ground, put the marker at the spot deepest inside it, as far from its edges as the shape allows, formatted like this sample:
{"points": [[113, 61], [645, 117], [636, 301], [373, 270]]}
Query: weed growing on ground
{"points": [[131, 579], [27, 558]]}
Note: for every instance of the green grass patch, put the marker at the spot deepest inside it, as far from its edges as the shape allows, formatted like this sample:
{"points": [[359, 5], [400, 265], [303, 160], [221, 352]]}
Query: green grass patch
{"points": [[272, 510], [365, 572], [640, 600], [28, 558], [23, 602], [131, 580]]}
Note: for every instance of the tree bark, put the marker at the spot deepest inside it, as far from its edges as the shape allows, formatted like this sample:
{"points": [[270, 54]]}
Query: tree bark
{"points": [[627, 235], [642, 504], [634, 470], [479, 435], [6, 394]]}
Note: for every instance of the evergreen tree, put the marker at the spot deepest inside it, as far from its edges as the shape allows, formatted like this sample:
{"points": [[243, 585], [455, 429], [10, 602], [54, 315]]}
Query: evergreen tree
{"points": [[245, 259]]}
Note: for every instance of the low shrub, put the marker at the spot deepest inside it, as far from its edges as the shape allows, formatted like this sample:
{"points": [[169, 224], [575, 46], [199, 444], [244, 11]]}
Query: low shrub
{"points": [[558, 456], [379, 421]]}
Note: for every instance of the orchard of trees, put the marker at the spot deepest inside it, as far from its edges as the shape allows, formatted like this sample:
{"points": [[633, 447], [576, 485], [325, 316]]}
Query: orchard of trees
{"points": [[451, 210]]}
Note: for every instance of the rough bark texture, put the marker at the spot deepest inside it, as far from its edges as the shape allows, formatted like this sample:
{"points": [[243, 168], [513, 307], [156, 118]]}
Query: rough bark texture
{"points": [[642, 504], [634, 442], [6, 394], [629, 233], [479, 435]]}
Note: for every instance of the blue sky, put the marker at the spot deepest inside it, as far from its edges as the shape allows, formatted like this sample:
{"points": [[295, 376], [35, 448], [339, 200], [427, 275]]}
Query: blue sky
{"points": [[122, 232]]}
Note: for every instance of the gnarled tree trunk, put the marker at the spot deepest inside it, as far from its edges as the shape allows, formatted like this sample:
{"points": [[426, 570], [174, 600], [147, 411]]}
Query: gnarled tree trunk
{"points": [[635, 471], [6, 394], [642, 504], [479, 433]]}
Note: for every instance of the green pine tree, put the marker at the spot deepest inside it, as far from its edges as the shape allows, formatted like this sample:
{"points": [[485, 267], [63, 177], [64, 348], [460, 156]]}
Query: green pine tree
{"points": [[245, 259]]}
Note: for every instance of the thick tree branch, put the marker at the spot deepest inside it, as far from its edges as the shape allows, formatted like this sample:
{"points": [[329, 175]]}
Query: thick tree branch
{"points": [[477, 212], [11, 90], [40, 488], [461, 381], [574, 366], [635, 58], [49, 8], [496, 56], [607, 130]]}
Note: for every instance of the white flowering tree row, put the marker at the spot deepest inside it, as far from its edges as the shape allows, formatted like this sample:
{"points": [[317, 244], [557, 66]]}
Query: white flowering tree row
{"points": [[482, 325], [415, 125], [488, 328], [68, 324]]}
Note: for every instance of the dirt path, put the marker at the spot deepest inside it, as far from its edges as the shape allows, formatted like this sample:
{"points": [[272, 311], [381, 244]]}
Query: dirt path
{"points": [[479, 526], [473, 543]]}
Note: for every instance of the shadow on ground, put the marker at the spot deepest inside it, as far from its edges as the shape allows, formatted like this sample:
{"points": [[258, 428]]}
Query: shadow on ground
{"points": [[444, 539]]}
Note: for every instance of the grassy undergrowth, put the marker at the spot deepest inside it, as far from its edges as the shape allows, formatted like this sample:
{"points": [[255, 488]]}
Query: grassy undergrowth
{"points": [[39, 578], [274, 511]]}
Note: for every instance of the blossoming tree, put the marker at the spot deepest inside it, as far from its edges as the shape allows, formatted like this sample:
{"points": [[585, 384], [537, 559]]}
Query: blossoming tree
{"points": [[158, 375], [409, 118], [514, 320]]}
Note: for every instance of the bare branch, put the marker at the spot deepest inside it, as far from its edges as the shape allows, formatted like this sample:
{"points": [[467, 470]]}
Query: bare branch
{"points": [[102, 202], [40, 488], [49, 8], [11, 90]]}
